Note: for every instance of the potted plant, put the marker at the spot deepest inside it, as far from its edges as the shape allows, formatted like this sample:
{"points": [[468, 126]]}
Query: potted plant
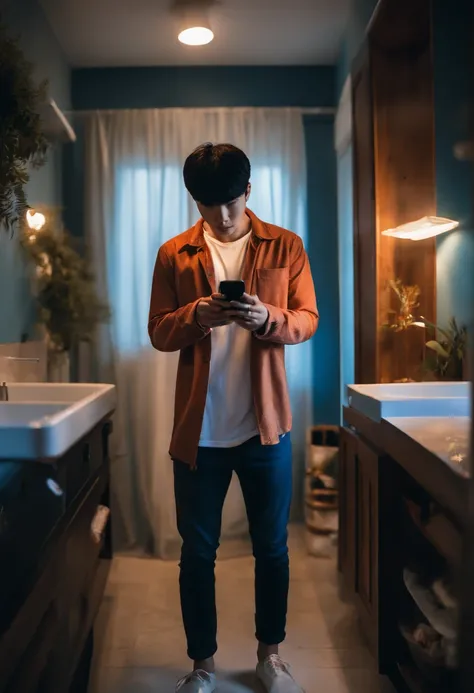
{"points": [[407, 297], [68, 305], [22, 141], [448, 348], [401, 366]]}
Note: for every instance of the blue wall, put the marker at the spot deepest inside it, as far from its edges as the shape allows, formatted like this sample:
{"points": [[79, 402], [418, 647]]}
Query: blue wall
{"points": [[361, 12], [168, 87], [26, 19], [243, 86], [453, 89], [323, 253]]}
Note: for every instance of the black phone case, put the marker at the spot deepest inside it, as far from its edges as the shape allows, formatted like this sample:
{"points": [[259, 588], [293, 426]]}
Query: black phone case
{"points": [[232, 290]]}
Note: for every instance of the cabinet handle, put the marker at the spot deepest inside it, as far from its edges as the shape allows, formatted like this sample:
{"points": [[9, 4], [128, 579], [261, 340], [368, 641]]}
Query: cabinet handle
{"points": [[99, 522], [3, 520], [54, 487]]}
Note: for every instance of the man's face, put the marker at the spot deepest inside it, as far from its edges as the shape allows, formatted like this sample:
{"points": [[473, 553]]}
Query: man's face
{"points": [[226, 219]]}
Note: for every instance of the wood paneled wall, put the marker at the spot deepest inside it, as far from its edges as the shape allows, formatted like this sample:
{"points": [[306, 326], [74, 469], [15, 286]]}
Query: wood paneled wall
{"points": [[394, 183]]}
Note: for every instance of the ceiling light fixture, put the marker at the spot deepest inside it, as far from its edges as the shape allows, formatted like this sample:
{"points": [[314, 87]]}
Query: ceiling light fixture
{"points": [[194, 28], [419, 230], [196, 36]]}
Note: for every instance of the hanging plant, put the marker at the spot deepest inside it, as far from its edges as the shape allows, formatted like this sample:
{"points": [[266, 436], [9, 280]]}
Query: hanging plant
{"points": [[66, 296], [22, 142]]}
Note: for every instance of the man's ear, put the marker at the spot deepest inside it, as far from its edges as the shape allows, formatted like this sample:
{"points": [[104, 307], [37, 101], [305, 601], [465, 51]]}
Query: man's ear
{"points": [[248, 191]]}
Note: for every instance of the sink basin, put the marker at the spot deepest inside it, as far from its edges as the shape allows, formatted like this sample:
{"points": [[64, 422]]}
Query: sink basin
{"points": [[410, 399], [41, 421]]}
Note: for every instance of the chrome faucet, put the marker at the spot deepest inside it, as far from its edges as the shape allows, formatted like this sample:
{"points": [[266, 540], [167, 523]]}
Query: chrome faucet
{"points": [[4, 396]]}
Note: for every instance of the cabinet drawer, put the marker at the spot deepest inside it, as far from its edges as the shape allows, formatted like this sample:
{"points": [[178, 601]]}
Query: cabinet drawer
{"points": [[31, 505], [84, 460]]}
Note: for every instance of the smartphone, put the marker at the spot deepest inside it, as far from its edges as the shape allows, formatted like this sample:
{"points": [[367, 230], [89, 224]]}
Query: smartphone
{"points": [[232, 290]]}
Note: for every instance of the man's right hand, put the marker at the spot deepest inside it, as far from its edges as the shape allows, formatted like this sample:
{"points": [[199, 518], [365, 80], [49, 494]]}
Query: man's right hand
{"points": [[211, 312]]}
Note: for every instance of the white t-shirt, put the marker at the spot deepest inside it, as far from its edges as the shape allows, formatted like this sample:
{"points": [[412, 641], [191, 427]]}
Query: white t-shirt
{"points": [[229, 418]]}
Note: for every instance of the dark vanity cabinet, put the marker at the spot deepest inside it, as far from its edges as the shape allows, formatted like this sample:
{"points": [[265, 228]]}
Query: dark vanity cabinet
{"points": [[366, 478], [402, 523], [53, 569]]}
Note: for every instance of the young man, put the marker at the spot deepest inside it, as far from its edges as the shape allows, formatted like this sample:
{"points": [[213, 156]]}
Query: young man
{"points": [[232, 411]]}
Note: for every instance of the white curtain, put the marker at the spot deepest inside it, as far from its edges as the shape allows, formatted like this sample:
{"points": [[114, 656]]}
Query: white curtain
{"points": [[135, 201]]}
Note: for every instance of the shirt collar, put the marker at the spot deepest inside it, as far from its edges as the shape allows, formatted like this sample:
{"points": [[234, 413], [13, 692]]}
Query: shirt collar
{"points": [[260, 230]]}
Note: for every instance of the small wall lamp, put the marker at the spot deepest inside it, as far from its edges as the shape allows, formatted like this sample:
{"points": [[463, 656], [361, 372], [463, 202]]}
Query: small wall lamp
{"points": [[423, 228], [35, 220]]}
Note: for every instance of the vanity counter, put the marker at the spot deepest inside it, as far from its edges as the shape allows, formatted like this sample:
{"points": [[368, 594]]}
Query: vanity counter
{"points": [[446, 437]]}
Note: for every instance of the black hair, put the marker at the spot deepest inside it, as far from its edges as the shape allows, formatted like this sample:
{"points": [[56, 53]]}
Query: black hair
{"points": [[215, 174]]}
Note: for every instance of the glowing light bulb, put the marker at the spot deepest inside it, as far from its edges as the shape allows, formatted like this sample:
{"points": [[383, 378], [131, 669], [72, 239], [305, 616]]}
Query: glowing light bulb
{"points": [[35, 220], [196, 36]]}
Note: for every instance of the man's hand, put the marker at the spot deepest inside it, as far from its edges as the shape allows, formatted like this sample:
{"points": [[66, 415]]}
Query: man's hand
{"points": [[249, 313], [213, 311]]}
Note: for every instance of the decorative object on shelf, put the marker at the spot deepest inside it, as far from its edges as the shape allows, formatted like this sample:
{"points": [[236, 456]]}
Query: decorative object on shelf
{"points": [[419, 230], [321, 494], [22, 141], [442, 617], [407, 296], [68, 304], [448, 348]]}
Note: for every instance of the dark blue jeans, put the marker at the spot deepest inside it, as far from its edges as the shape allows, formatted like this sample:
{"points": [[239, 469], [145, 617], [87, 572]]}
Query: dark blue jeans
{"points": [[265, 475]]}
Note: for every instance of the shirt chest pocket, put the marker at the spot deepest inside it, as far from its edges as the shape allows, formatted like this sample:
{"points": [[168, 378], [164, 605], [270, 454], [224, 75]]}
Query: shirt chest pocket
{"points": [[272, 286]]}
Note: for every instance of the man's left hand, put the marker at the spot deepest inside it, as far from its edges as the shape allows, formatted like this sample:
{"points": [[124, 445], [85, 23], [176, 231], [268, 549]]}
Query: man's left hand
{"points": [[249, 313]]}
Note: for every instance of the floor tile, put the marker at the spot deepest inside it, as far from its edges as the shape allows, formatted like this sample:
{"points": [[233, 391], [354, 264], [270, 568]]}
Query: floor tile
{"points": [[140, 645]]}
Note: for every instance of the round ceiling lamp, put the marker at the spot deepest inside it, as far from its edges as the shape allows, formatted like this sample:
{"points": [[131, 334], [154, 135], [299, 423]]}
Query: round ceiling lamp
{"points": [[194, 27], [196, 36]]}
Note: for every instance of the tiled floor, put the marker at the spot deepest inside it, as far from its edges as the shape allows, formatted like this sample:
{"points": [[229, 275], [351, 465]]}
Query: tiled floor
{"points": [[140, 645]]}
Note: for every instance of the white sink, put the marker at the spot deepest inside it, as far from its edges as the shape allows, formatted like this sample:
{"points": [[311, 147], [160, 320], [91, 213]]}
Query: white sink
{"points": [[41, 421], [410, 399]]}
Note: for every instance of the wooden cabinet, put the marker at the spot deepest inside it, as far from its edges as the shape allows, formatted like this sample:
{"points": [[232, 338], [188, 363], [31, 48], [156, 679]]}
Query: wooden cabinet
{"points": [[367, 509], [367, 541], [347, 508], [45, 637]]}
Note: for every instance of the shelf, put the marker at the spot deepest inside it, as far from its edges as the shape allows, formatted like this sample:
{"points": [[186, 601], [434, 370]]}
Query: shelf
{"points": [[439, 531]]}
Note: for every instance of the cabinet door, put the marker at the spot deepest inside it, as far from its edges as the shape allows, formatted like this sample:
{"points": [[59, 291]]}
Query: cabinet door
{"points": [[347, 508], [368, 540]]}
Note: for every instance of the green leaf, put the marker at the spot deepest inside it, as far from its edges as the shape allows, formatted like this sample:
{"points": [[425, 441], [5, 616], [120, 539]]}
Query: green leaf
{"points": [[22, 141], [434, 327], [436, 346]]}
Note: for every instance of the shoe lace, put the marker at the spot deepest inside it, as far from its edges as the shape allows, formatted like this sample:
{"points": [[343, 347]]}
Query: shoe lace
{"points": [[277, 665], [199, 675]]}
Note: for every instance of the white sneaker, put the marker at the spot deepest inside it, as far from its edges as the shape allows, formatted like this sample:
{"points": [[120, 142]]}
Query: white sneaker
{"points": [[276, 676], [198, 681]]}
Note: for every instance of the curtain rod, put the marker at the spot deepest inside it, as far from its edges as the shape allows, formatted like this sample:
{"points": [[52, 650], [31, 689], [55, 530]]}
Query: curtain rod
{"points": [[317, 110]]}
